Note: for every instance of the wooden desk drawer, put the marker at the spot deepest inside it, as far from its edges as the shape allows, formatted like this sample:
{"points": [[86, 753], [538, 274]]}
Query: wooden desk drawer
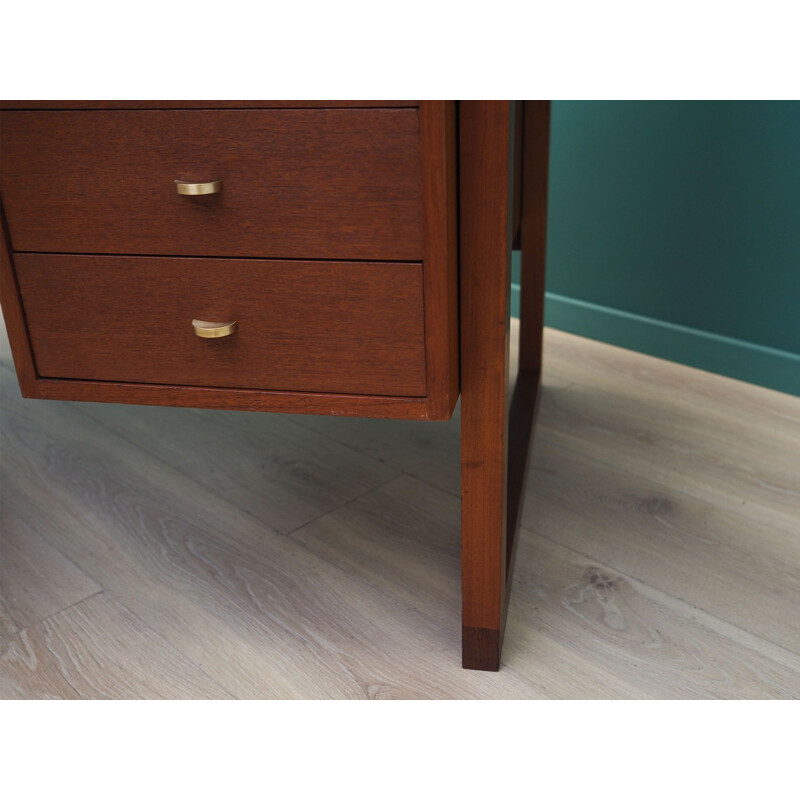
{"points": [[355, 328], [296, 183]]}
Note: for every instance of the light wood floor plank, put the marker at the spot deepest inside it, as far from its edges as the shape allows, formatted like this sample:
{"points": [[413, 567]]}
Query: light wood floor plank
{"points": [[639, 571], [97, 649], [713, 558], [428, 451], [719, 465], [283, 474], [5, 347], [404, 538], [36, 580], [708, 396], [719, 439], [259, 613], [653, 640]]}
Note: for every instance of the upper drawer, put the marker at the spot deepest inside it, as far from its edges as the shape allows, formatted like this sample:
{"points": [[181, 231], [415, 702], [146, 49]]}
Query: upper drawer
{"points": [[296, 183]]}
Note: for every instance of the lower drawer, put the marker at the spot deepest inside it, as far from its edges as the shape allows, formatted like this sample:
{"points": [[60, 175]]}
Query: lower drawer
{"points": [[343, 327]]}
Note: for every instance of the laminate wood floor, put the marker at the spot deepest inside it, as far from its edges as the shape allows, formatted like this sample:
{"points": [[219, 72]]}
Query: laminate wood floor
{"points": [[172, 553]]}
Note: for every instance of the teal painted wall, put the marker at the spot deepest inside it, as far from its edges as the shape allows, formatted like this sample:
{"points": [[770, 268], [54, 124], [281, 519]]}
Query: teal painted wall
{"points": [[674, 228]]}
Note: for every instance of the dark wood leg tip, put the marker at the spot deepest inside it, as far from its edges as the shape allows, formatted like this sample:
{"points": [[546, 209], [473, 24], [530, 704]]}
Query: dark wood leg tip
{"points": [[480, 649]]}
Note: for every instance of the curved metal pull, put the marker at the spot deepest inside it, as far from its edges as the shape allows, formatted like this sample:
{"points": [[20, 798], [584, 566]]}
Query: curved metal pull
{"points": [[211, 187], [213, 330]]}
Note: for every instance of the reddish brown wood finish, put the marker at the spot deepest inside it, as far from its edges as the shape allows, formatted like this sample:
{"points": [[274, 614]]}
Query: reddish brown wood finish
{"points": [[533, 170], [303, 326], [521, 424], [311, 184], [15, 317], [439, 167], [99, 105], [496, 425], [338, 405], [486, 159], [496, 429], [434, 148], [519, 116], [533, 231]]}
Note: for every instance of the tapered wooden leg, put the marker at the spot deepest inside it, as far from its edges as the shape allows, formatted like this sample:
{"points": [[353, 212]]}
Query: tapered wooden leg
{"points": [[496, 424]]}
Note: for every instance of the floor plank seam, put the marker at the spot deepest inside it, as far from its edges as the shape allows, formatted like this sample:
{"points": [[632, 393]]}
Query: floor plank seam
{"points": [[55, 547], [576, 630], [299, 528], [290, 534], [60, 611], [76, 520], [687, 606], [219, 497], [77, 407], [452, 632], [352, 449]]}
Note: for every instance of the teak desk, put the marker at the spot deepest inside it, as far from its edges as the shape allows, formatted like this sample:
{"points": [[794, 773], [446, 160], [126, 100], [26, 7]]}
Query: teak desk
{"points": [[307, 257]]}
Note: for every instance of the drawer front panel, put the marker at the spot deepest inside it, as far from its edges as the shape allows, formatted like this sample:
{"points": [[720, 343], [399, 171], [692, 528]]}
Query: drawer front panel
{"points": [[296, 183], [353, 328]]}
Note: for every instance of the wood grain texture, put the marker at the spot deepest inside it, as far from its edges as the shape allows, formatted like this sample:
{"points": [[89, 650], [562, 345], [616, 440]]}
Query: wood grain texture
{"points": [[532, 221], [412, 537], [533, 230], [366, 406], [365, 600], [14, 316], [425, 386], [234, 399], [404, 538], [36, 580], [521, 422], [671, 650], [280, 473], [711, 398], [519, 117], [431, 453], [438, 146], [214, 584], [92, 105], [669, 539], [486, 160], [311, 184], [303, 326], [677, 447], [98, 650]]}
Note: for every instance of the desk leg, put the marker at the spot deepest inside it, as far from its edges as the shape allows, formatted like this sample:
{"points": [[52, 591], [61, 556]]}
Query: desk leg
{"points": [[496, 424]]}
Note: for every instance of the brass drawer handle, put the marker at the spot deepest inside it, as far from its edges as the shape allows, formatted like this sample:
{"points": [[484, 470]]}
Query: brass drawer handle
{"points": [[212, 187], [213, 330]]}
